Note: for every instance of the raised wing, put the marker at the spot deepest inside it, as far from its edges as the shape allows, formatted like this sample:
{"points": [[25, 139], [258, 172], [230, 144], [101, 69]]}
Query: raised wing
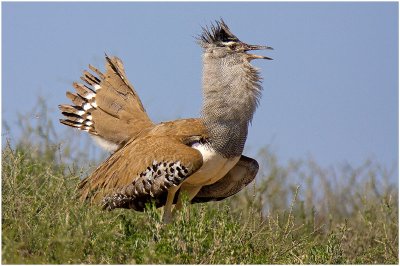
{"points": [[106, 106], [234, 181], [140, 172]]}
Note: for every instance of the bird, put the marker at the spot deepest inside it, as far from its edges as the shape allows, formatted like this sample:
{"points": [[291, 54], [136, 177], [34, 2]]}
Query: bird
{"points": [[158, 163]]}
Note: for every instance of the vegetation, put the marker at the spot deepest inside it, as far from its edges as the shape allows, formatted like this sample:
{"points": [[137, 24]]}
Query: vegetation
{"points": [[297, 213]]}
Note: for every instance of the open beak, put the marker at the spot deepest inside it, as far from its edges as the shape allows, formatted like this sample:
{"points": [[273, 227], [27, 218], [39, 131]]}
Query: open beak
{"points": [[248, 47]]}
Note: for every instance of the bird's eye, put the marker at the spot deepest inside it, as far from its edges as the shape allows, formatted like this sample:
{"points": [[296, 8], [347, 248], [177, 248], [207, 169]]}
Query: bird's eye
{"points": [[233, 46]]}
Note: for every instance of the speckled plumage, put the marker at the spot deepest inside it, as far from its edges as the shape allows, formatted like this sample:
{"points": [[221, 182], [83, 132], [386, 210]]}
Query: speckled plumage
{"points": [[150, 184], [231, 91]]}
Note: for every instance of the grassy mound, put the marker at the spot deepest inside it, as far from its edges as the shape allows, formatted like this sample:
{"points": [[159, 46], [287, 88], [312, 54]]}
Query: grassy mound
{"points": [[297, 213], [42, 222]]}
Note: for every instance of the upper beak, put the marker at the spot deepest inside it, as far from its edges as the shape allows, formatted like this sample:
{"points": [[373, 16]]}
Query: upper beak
{"points": [[249, 47], [257, 47]]}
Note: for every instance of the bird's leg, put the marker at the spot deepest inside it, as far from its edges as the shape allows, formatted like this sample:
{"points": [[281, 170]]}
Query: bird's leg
{"points": [[167, 217], [190, 191]]}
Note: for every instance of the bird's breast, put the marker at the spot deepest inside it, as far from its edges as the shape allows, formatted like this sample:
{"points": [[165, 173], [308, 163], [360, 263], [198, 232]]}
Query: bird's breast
{"points": [[214, 166]]}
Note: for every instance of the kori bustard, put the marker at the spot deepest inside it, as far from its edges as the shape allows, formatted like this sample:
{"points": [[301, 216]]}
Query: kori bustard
{"points": [[201, 157]]}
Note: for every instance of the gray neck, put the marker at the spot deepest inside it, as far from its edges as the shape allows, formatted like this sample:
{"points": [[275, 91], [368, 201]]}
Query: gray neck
{"points": [[231, 90]]}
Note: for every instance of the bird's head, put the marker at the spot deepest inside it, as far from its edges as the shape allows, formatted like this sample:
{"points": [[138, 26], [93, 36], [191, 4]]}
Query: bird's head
{"points": [[219, 42]]}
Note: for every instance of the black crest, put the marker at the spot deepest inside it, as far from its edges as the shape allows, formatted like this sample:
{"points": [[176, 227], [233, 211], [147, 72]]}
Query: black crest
{"points": [[217, 34]]}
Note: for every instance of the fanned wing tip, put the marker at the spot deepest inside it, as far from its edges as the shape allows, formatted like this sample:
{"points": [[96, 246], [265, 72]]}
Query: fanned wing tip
{"points": [[116, 65], [75, 98], [79, 115], [70, 123], [84, 90], [84, 125], [71, 109], [90, 79], [98, 72], [101, 97]]}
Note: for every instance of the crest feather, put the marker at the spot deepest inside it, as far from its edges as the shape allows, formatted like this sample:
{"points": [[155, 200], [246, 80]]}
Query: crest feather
{"points": [[217, 33]]}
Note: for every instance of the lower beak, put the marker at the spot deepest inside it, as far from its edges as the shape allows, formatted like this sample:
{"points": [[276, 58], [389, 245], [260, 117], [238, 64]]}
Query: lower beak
{"points": [[256, 56]]}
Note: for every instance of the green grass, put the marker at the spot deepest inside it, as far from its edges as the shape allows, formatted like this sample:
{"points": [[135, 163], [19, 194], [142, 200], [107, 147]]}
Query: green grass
{"points": [[42, 222], [297, 213]]}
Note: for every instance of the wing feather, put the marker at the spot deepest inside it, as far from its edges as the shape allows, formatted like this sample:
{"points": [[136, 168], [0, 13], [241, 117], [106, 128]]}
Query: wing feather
{"points": [[140, 172]]}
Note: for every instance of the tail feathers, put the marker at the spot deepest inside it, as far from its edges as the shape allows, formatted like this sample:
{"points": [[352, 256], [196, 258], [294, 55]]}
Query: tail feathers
{"points": [[95, 70], [90, 79], [78, 117], [106, 105]]}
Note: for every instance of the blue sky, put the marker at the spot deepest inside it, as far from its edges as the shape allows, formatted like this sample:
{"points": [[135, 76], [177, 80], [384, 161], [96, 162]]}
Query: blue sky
{"points": [[331, 91]]}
